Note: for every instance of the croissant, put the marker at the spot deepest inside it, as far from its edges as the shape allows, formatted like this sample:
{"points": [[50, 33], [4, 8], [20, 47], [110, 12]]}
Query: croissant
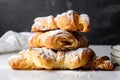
{"points": [[99, 62], [69, 20], [43, 58], [44, 24], [58, 40]]}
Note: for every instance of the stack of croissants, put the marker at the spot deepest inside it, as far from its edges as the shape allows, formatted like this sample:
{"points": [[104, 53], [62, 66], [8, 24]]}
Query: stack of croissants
{"points": [[58, 43]]}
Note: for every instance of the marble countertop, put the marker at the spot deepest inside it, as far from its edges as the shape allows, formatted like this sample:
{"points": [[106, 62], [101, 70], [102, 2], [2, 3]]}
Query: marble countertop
{"points": [[6, 73]]}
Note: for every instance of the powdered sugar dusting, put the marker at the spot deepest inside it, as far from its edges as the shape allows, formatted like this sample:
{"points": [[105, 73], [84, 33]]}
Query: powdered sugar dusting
{"points": [[45, 52], [43, 22], [65, 14], [109, 62], [43, 18], [50, 18], [14, 57], [55, 32], [74, 54], [85, 17]]}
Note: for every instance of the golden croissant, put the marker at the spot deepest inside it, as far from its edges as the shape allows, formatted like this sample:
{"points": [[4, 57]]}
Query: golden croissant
{"points": [[58, 40], [69, 20], [99, 62], [43, 58]]}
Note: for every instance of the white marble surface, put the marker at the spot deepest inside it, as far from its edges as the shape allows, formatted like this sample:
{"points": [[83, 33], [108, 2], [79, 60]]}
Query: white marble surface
{"points": [[6, 73]]}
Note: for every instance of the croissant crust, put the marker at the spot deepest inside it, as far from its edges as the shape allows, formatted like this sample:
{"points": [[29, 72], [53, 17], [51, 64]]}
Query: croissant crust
{"points": [[43, 58], [58, 40], [69, 20]]}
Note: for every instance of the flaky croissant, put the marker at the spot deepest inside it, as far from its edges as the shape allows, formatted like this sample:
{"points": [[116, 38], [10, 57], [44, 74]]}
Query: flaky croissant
{"points": [[58, 40], [44, 24], [99, 62], [43, 58], [69, 20]]}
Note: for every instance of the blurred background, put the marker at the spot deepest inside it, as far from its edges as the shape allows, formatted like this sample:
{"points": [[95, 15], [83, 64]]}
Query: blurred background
{"points": [[18, 15]]}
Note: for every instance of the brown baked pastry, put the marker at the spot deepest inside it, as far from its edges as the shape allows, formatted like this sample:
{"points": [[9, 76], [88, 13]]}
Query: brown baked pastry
{"points": [[99, 62], [43, 58], [43, 24], [69, 20], [58, 40]]}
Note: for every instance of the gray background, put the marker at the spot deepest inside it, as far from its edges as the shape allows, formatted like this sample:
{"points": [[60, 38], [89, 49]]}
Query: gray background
{"points": [[18, 15]]}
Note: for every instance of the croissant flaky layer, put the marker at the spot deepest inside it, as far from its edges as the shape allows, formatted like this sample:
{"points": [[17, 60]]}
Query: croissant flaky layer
{"points": [[99, 62], [43, 58], [58, 40], [69, 20]]}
